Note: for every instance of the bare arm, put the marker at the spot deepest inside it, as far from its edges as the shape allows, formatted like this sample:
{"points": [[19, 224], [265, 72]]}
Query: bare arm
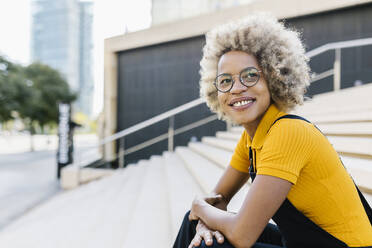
{"points": [[230, 182], [264, 198]]}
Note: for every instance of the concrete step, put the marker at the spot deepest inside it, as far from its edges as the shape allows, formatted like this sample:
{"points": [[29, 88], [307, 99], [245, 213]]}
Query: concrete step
{"points": [[72, 176], [228, 135], [343, 117], [66, 200], [358, 100], [353, 145], [226, 144], [199, 167], [151, 224], [182, 188], [219, 156], [361, 171], [112, 226], [75, 218], [357, 128], [207, 175], [237, 129], [358, 94], [313, 108]]}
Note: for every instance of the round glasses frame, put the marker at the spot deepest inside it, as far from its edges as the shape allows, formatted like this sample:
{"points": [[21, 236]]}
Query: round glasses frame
{"points": [[251, 84]]}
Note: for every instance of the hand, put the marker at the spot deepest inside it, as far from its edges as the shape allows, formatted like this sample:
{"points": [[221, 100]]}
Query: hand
{"points": [[195, 204], [200, 201], [214, 199], [203, 232]]}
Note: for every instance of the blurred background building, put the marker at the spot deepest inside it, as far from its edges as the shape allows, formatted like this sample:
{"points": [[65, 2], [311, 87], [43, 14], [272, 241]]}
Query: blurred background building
{"points": [[164, 11], [62, 39]]}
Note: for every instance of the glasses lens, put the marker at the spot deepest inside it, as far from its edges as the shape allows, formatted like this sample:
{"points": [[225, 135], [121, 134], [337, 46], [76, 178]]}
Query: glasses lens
{"points": [[249, 76], [224, 82]]}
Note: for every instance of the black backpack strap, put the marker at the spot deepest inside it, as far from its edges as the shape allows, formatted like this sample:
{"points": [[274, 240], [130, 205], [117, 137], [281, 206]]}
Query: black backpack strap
{"points": [[291, 117], [366, 206]]}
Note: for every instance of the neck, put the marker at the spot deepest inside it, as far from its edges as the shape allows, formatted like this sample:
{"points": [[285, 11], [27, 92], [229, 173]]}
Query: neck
{"points": [[252, 127]]}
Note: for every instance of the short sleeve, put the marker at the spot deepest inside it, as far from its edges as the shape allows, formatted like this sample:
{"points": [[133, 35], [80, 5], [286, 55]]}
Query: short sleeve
{"points": [[240, 158], [286, 150]]}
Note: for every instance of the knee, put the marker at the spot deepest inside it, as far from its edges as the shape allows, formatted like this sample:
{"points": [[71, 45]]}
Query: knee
{"points": [[186, 219]]}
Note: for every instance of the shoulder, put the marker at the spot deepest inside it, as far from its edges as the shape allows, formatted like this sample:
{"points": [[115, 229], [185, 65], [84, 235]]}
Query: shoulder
{"points": [[291, 126], [292, 131]]}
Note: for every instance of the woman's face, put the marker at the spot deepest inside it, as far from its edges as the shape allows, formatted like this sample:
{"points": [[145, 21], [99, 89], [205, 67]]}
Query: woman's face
{"points": [[244, 105]]}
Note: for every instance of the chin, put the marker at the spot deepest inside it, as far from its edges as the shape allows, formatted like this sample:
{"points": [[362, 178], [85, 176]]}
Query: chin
{"points": [[242, 121]]}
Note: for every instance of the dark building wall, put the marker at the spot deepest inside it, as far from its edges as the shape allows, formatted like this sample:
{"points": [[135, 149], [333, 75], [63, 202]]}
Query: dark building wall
{"points": [[339, 25], [154, 79]]}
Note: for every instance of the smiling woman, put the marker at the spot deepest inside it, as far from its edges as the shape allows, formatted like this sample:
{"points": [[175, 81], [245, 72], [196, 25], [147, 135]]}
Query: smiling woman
{"points": [[244, 107], [252, 72]]}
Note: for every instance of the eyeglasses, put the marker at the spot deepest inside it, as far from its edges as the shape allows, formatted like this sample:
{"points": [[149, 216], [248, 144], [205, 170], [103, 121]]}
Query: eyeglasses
{"points": [[248, 77]]}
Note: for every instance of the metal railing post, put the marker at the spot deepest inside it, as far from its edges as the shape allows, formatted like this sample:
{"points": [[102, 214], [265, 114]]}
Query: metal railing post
{"points": [[121, 152], [337, 70], [171, 133]]}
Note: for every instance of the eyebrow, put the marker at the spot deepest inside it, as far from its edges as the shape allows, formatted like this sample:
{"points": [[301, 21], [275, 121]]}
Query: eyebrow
{"points": [[226, 73]]}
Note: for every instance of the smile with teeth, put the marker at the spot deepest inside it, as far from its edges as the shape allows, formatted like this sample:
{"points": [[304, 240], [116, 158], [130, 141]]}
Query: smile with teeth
{"points": [[242, 103]]}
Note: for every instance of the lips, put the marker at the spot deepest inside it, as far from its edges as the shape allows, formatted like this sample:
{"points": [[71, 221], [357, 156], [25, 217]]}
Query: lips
{"points": [[241, 101]]}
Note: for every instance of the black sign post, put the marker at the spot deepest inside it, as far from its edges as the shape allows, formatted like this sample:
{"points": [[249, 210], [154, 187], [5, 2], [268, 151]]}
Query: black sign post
{"points": [[65, 137]]}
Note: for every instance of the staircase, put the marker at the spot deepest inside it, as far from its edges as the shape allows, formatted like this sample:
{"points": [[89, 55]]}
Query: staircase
{"points": [[143, 205]]}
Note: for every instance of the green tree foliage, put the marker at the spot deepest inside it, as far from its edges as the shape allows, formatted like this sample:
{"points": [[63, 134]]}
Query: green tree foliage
{"points": [[49, 88], [13, 89], [33, 92]]}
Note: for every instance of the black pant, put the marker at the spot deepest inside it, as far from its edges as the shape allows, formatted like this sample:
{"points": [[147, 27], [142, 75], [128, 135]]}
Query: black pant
{"points": [[270, 237]]}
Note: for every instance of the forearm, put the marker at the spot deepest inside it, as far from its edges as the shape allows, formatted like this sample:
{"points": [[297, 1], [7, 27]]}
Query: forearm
{"points": [[243, 229], [230, 182], [216, 219]]}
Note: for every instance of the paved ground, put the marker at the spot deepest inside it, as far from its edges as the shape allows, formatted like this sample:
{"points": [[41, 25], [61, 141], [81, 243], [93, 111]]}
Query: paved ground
{"points": [[20, 142], [26, 180], [29, 178]]}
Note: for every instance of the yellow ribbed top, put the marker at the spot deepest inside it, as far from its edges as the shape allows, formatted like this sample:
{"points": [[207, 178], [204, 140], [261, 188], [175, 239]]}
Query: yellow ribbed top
{"points": [[296, 151]]}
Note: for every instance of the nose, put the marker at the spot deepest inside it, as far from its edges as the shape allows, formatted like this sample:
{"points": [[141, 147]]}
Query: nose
{"points": [[238, 87]]}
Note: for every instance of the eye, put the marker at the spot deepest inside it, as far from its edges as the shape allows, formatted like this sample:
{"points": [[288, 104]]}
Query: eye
{"points": [[225, 81], [252, 74], [249, 75]]}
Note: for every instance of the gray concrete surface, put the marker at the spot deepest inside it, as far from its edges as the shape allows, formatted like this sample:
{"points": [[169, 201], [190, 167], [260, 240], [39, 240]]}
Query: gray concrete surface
{"points": [[26, 179]]}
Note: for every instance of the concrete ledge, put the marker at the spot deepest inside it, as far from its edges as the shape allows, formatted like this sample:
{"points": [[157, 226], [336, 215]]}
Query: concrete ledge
{"points": [[72, 176]]}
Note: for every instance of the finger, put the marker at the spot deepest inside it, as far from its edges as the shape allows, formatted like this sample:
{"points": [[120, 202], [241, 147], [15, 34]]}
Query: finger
{"points": [[195, 242], [220, 238], [213, 199], [207, 236]]}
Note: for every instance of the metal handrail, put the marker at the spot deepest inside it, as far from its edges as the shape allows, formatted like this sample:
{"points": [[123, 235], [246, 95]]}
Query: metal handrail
{"points": [[165, 135], [336, 72], [166, 115], [152, 120], [339, 45]]}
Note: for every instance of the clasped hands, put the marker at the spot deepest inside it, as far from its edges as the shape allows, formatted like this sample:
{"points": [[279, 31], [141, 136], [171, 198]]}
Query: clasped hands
{"points": [[202, 231]]}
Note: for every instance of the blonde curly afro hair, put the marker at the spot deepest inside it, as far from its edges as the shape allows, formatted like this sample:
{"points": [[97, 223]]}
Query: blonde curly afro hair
{"points": [[278, 50]]}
